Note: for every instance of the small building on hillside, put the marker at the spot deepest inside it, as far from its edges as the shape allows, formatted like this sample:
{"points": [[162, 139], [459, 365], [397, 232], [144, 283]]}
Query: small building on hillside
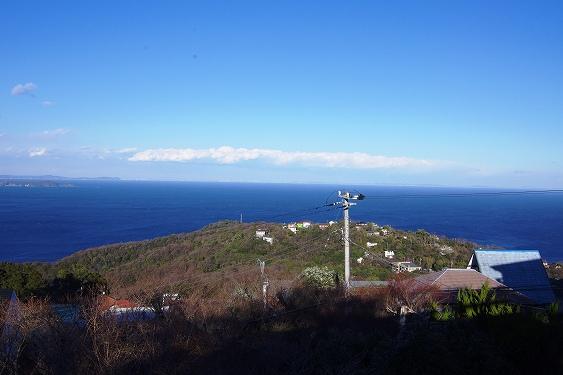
{"points": [[260, 233], [303, 225], [292, 227], [323, 226], [448, 282], [520, 270], [405, 267], [371, 244], [389, 254], [124, 310]]}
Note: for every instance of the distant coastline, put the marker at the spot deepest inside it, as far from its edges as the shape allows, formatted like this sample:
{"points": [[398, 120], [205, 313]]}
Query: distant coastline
{"points": [[56, 178], [23, 183]]}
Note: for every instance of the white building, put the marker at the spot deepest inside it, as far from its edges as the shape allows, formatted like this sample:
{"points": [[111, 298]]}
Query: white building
{"points": [[405, 267], [306, 224], [260, 233], [389, 254], [269, 240], [292, 227], [371, 244]]}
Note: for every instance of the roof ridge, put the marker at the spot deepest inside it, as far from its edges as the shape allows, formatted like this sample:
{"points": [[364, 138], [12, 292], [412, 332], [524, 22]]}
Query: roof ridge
{"points": [[443, 272]]}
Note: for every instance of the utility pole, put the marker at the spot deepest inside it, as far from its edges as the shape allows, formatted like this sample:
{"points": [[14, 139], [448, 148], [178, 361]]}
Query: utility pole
{"points": [[346, 204], [265, 283]]}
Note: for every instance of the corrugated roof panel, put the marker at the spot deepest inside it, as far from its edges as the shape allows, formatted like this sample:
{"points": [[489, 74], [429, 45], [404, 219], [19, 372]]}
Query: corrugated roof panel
{"points": [[6, 294], [521, 270]]}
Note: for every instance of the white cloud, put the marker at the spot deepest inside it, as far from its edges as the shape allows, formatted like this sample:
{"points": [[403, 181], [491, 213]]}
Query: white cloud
{"points": [[24, 89], [51, 133], [34, 152], [47, 103], [126, 150], [231, 155]]}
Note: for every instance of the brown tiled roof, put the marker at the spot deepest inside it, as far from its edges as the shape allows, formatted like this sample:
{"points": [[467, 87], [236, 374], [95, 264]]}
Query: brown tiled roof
{"points": [[453, 278], [125, 304], [450, 280], [106, 302]]}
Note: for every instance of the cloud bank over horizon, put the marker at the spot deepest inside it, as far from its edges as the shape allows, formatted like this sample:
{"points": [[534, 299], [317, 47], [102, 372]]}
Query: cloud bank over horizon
{"points": [[232, 155]]}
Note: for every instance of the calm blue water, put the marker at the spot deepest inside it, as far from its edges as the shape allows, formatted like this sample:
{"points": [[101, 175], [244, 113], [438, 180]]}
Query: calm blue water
{"points": [[50, 223]]}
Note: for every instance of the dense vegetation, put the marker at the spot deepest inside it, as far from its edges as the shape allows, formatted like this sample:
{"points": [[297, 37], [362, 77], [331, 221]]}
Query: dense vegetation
{"points": [[306, 324], [228, 250], [305, 330], [224, 251]]}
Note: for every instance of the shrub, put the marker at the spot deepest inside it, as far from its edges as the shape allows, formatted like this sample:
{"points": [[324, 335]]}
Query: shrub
{"points": [[473, 303], [320, 277]]}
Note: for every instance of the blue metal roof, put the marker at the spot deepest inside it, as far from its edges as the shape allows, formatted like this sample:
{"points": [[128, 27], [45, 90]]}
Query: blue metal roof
{"points": [[521, 270]]}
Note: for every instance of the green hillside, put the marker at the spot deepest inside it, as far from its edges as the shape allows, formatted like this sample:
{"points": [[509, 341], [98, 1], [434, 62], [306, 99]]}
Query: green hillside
{"points": [[230, 250]]}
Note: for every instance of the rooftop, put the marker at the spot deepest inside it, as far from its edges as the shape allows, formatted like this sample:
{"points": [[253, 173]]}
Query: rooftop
{"points": [[450, 280], [521, 270]]}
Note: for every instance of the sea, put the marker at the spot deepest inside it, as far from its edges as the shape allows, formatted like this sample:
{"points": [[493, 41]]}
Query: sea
{"points": [[48, 223]]}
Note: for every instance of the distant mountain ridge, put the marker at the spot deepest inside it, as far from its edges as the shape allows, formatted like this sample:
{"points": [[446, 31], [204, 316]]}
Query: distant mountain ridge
{"points": [[56, 178]]}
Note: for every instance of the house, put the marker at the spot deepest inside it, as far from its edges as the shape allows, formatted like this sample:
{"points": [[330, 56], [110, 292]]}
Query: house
{"points": [[372, 234], [323, 226], [332, 222], [9, 318], [445, 249], [520, 270], [361, 225], [292, 227], [269, 240], [371, 244], [360, 260], [405, 267], [260, 233], [124, 310], [448, 282], [389, 254], [304, 224], [384, 231]]}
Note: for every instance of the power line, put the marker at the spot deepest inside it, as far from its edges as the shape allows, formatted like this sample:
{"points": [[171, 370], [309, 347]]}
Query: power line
{"points": [[312, 210], [468, 194]]}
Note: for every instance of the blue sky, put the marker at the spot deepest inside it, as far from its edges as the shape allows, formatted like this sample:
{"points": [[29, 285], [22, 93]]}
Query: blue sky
{"points": [[465, 93]]}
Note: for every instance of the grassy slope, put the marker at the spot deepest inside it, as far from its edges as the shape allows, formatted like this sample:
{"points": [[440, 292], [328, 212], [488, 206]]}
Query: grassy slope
{"points": [[230, 250]]}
